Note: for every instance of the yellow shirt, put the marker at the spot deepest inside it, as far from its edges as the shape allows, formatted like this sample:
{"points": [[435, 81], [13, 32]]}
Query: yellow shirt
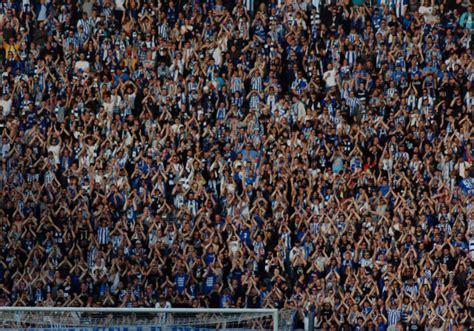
{"points": [[11, 51]]}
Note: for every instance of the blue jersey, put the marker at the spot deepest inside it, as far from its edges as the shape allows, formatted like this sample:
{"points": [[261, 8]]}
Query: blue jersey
{"points": [[180, 280], [209, 258], [131, 215], [209, 283]]}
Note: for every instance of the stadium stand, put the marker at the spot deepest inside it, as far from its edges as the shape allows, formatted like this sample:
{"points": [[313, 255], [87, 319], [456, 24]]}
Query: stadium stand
{"points": [[308, 155]]}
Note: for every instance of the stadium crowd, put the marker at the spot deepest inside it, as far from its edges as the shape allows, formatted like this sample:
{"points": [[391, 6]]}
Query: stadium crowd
{"points": [[300, 154]]}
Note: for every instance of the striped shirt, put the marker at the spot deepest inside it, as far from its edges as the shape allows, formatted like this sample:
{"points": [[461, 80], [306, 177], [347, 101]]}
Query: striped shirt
{"points": [[353, 104], [299, 85], [87, 26], [235, 84], [351, 57], [192, 86], [163, 30], [256, 83], [271, 101], [71, 40], [193, 206], [238, 101], [103, 235], [220, 114], [393, 315], [91, 256], [254, 101]]}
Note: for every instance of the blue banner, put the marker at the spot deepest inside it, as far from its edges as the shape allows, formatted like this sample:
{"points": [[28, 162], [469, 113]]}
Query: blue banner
{"points": [[467, 185]]}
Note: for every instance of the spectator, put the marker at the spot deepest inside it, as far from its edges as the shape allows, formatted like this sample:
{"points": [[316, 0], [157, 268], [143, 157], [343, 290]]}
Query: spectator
{"points": [[305, 155]]}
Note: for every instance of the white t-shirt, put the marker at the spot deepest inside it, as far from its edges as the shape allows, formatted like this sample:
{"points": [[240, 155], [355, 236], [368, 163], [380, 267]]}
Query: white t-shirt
{"points": [[427, 13], [6, 105], [116, 100], [55, 149], [167, 304], [163, 317], [234, 246], [330, 77], [109, 107]]}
